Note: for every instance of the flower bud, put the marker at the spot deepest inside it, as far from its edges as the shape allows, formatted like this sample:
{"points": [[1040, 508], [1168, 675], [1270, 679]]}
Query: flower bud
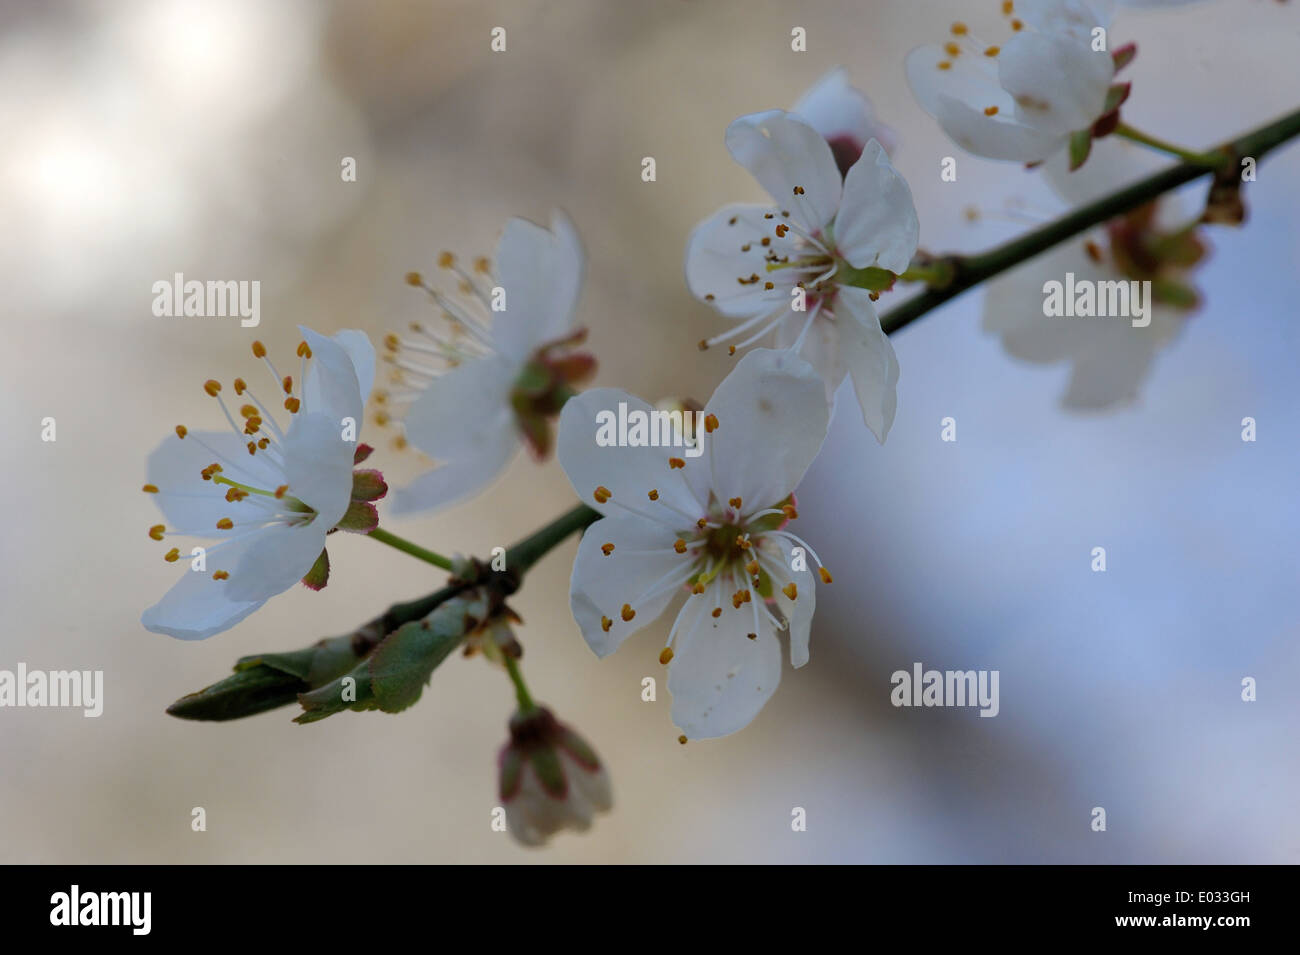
{"points": [[550, 779]]}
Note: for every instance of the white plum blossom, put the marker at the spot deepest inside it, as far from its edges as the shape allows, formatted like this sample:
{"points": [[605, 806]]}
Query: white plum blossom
{"points": [[1048, 87], [265, 495], [549, 778], [1109, 357], [711, 528], [472, 390], [810, 266], [844, 117]]}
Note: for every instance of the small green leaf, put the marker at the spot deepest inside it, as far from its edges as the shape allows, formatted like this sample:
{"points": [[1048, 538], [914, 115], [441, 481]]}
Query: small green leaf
{"points": [[361, 517], [351, 691], [871, 278], [403, 664], [252, 689], [319, 575], [1080, 147]]}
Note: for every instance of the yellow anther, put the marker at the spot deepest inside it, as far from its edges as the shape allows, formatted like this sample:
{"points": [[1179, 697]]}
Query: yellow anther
{"points": [[711, 423], [150, 489], [240, 386], [702, 523], [736, 502], [959, 29], [225, 524], [952, 49], [703, 344], [698, 587], [1017, 25], [281, 491], [945, 65], [414, 278], [606, 623], [156, 532], [1008, 8], [993, 51], [825, 574], [399, 443], [252, 447], [682, 739], [446, 260], [666, 655], [249, 411], [731, 349], [382, 419], [789, 511], [292, 405], [602, 494], [798, 190], [288, 384], [235, 495], [482, 265], [392, 342], [752, 568], [172, 556], [990, 110], [654, 494], [674, 463], [627, 613], [768, 286], [263, 442], [212, 386], [752, 636], [259, 350], [304, 350], [220, 575], [607, 549], [790, 590], [743, 542], [717, 611], [181, 431], [679, 545]]}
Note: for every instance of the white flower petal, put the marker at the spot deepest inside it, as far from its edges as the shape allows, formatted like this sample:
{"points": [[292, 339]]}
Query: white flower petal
{"points": [[362, 352], [460, 413], [601, 584], [191, 504], [318, 465], [719, 678], [716, 260], [996, 137], [1071, 16], [1059, 83], [332, 387], [967, 79], [588, 788], [870, 358], [772, 418], [821, 347], [782, 151], [838, 110], [629, 473], [196, 606], [541, 272], [275, 560], [464, 475], [877, 223], [799, 612]]}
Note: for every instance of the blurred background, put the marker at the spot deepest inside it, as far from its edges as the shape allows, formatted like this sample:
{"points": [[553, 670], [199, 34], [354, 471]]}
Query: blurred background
{"points": [[149, 137]]}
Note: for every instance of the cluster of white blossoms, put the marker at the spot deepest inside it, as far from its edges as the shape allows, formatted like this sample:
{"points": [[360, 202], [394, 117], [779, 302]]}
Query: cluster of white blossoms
{"points": [[708, 530]]}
